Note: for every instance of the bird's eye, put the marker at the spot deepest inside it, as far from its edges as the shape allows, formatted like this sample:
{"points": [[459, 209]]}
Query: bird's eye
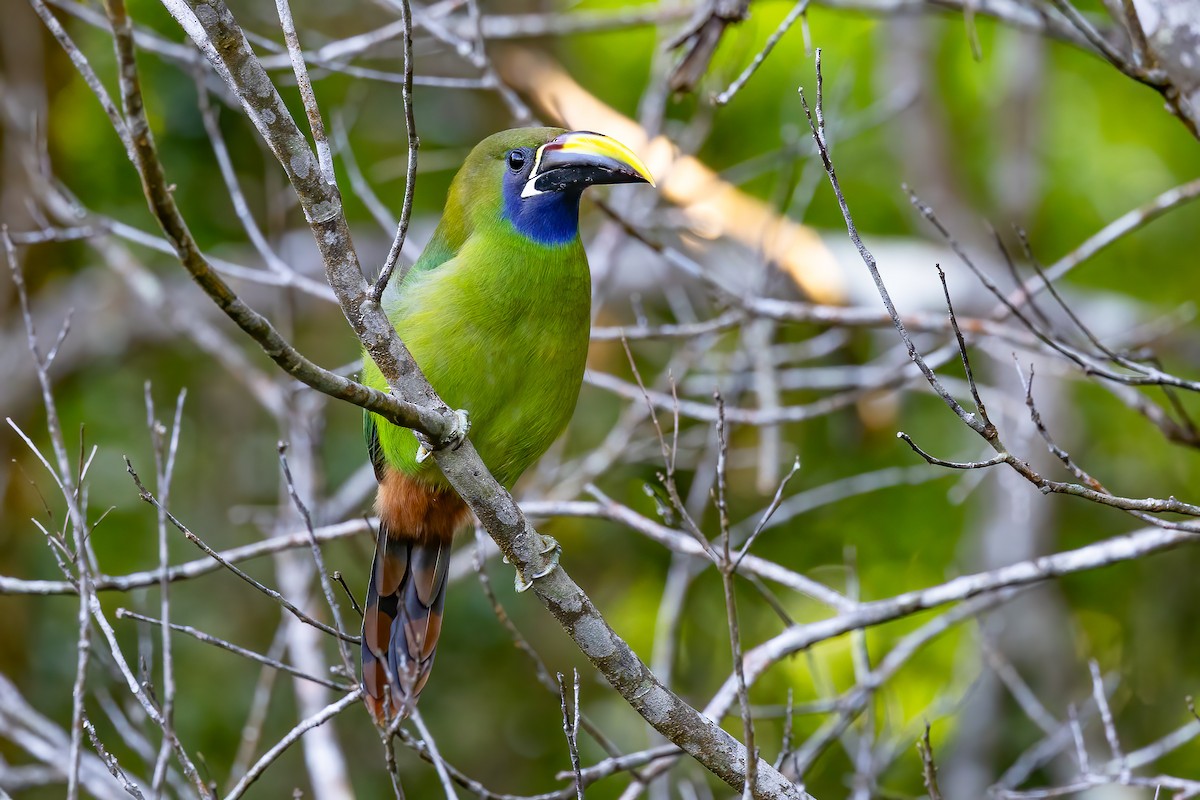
{"points": [[516, 160]]}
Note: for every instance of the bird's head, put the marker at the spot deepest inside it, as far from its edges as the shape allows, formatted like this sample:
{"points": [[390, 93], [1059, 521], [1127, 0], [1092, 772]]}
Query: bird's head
{"points": [[533, 178]]}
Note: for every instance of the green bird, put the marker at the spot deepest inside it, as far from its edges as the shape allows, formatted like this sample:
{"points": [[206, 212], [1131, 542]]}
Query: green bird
{"points": [[496, 312]]}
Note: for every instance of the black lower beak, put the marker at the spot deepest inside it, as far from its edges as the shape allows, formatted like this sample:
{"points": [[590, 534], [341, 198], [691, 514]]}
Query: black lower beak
{"points": [[581, 175], [578, 159]]}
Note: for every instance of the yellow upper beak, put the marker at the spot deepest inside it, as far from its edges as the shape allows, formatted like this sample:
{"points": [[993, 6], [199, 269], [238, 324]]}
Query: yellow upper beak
{"points": [[587, 143], [578, 159]]}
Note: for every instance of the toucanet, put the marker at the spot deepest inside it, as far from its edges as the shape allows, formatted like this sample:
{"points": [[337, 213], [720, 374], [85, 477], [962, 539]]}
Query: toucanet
{"points": [[496, 312]]}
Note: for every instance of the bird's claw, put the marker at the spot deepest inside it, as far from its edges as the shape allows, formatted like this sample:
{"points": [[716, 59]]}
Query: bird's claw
{"points": [[552, 550], [453, 439], [458, 433]]}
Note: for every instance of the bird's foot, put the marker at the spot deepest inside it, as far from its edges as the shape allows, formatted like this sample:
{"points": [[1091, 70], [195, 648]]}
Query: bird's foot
{"points": [[453, 439], [458, 433], [552, 550]]}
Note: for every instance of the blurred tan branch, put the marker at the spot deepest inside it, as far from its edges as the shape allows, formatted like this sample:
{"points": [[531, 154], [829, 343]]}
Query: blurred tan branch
{"points": [[712, 207]]}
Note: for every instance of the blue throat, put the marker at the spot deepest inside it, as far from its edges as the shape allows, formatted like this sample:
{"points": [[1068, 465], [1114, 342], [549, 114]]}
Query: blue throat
{"points": [[548, 219]]}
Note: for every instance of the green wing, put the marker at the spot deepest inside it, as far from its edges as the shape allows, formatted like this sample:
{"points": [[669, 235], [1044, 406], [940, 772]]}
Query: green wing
{"points": [[374, 449]]}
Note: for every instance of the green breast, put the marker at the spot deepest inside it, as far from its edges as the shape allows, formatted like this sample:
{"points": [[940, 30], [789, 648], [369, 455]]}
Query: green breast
{"points": [[502, 331]]}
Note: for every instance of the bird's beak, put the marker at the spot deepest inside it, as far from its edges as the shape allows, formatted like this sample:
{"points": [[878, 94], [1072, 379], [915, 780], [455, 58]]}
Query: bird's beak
{"points": [[579, 159]]}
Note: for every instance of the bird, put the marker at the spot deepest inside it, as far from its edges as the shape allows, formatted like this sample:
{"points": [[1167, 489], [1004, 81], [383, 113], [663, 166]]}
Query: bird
{"points": [[496, 313]]}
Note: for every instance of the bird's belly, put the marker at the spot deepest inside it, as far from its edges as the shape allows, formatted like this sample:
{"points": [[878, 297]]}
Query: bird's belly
{"points": [[520, 396], [515, 364]]}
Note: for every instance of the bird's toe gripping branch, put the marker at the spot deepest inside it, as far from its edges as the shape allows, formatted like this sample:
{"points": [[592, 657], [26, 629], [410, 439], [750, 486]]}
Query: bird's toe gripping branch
{"points": [[553, 551], [453, 439], [458, 434]]}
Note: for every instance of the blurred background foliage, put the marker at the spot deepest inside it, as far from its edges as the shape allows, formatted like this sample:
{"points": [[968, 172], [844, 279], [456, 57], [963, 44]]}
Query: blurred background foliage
{"points": [[1090, 143]]}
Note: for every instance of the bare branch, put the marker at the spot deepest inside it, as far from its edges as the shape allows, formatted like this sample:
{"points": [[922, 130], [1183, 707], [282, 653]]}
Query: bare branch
{"points": [[87, 73], [309, 98], [818, 132], [410, 180], [287, 143], [191, 569], [797, 11], [571, 729], [260, 766], [929, 769], [1106, 718], [318, 559], [149, 497], [199, 635]]}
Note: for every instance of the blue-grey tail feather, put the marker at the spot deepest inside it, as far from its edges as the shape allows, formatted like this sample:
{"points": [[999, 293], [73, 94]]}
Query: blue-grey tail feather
{"points": [[402, 619]]}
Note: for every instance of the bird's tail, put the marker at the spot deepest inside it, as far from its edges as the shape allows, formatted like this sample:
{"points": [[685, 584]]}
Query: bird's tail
{"points": [[402, 616]]}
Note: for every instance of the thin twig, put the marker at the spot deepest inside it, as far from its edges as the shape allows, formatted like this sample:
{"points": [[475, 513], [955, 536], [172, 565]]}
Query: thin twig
{"points": [[190, 569], [999, 458], [539, 665], [149, 497], [164, 462], [928, 768], [256, 717], [337, 576], [319, 200], [76, 516], [307, 96], [318, 558], [797, 11], [414, 143], [728, 568], [1106, 719], [571, 729], [110, 761], [438, 764], [1112, 232], [776, 501], [818, 133], [233, 648], [260, 766], [87, 73]]}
